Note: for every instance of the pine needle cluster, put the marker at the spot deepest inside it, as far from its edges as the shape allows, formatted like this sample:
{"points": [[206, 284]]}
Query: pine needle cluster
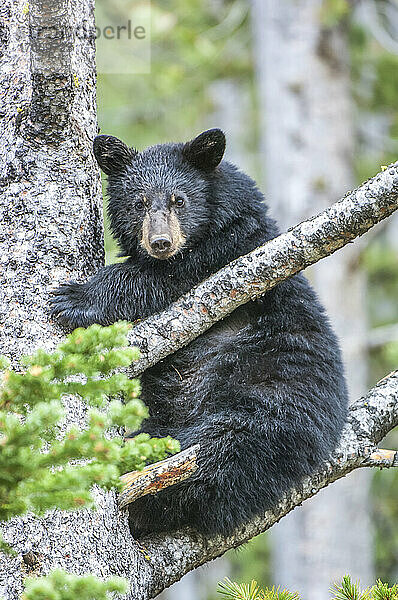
{"points": [[348, 590], [250, 591]]}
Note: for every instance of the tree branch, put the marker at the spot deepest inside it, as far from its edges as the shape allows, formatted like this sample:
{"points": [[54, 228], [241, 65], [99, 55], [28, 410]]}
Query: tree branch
{"points": [[158, 476], [179, 467], [370, 418], [382, 458], [250, 276]]}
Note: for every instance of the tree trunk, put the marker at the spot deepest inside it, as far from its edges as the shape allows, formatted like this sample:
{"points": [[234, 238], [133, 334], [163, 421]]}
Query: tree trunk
{"points": [[51, 231], [304, 83]]}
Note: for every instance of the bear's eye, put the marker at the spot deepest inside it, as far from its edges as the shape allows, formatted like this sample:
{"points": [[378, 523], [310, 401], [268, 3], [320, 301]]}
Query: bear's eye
{"points": [[179, 201], [140, 205]]}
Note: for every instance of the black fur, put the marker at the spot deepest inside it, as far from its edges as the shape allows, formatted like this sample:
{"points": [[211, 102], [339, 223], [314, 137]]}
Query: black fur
{"points": [[112, 154], [206, 151], [263, 391]]}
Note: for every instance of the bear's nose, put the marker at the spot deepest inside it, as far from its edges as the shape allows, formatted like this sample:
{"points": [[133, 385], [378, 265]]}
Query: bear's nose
{"points": [[161, 244]]}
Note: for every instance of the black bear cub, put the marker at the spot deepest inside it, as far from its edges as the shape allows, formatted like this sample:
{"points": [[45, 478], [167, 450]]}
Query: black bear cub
{"points": [[263, 391]]}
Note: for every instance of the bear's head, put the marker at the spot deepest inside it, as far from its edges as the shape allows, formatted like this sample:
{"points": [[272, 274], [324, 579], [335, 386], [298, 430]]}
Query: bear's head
{"points": [[159, 200]]}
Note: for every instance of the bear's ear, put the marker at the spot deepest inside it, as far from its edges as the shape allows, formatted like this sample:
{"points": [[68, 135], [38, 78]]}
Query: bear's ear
{"points": [[112, 154], [206, 151]]}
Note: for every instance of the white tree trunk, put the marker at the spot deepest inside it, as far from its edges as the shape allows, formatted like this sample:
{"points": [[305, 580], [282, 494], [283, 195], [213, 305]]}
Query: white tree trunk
{"points": [[307, 134]]}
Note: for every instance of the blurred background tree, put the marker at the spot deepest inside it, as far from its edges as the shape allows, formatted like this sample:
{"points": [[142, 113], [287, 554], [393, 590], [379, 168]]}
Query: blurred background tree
{"points": [[205, 70]]}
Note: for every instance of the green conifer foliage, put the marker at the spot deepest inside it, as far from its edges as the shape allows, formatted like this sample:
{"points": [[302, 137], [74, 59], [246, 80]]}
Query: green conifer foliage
{"points": [[45, 465], [61, 586], [346, 590]]}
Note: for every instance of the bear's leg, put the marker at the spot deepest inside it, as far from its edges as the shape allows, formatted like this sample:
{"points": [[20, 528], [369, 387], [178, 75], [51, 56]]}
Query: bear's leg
{"points": [[245, 463], [225, 491]]}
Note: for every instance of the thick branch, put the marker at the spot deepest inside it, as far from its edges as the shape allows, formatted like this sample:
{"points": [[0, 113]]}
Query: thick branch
{"points": [[369, 420], [252, 275]]}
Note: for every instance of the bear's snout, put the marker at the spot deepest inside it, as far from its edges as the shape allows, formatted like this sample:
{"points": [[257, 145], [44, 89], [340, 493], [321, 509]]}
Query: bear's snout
{"points": [[160, 244], [161, 234]]}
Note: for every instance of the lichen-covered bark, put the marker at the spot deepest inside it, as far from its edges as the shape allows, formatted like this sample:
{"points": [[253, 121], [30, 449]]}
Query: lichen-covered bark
{"points": [[250, 276], [50, 210]]}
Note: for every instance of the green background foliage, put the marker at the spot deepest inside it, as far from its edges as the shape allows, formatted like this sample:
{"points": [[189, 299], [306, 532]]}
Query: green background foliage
{"points": [[61, 586]]}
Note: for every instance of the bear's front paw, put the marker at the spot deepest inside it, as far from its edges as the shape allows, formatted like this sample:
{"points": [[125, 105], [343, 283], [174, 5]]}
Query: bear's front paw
{"points": [[69, 306]]}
